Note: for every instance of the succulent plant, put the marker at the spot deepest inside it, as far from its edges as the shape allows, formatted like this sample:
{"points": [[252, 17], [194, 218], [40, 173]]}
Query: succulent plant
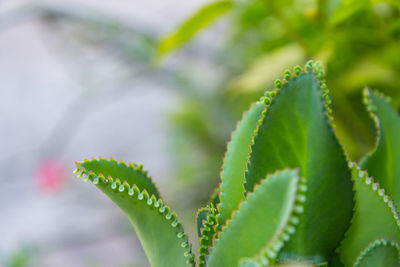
{"points": [[289, 195]]}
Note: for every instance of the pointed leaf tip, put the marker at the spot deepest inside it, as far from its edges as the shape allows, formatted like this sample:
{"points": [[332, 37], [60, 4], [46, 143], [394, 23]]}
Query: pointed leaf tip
{"points": [[246, 234], [296, 131]]}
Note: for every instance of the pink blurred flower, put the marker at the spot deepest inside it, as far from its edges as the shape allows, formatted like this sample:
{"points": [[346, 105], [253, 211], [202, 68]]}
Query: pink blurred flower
{"points": [[50, 175]]}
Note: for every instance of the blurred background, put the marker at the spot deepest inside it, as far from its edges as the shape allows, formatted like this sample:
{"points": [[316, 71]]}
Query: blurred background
{"points": [[160, 83]]}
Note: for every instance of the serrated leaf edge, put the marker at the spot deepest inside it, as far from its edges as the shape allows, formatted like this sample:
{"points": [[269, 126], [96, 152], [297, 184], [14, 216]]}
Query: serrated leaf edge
{"points": [[133, 166], [319, 75], [151, 201], [373, 113], [374, 244], [208, 231], [269, 253], [363, 174], [222, 221], [375, 186], [289, 228]]}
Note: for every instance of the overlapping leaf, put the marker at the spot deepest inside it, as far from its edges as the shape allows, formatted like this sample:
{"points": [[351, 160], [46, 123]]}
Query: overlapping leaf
{"points": [[375, 217], [384, 162], [295, 132], [265, 220], [381, 253], [233, 169]]}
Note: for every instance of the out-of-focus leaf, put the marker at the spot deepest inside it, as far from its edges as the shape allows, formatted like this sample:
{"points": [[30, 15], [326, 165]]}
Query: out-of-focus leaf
{"points": [[267, 68], [390, 2], [199, 20], [367, 71], [347, 10]]}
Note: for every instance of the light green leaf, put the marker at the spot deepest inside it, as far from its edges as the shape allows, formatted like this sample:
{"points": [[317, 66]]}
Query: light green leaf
{"points": [[374, 217], [348, 9], [295, 132], [266, 67], [381, 253], [234, 166], [263, 222], [384, 162], [158, 229], [132, 173], [199, 20]]}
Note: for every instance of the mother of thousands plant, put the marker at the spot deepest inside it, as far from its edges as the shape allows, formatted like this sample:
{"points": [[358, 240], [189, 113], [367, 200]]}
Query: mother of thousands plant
{"points": [[288, 195]]}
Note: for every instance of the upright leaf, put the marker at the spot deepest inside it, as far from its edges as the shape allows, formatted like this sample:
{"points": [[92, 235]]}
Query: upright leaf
{"points": [[381, 253], [375, 217], [199, 20], [201, 217], [158, 229], [207, 232], [384, 162], [263, 222], [295, 132], [233, 169]]}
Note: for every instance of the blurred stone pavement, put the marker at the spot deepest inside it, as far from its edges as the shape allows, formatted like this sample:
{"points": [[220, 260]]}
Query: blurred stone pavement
{"points": [[57, 107]]}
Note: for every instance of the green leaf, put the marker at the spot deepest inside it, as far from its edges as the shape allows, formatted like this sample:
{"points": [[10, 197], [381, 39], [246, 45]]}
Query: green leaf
{"points": [[374, 217], [132, 173], [207, 233], [295, 132], [234, 166], [383, 162], [158, 229], [347, 10], [215, 198], [199, 20], [381, 253], [201, 217], [263, 222], [266, 67]]}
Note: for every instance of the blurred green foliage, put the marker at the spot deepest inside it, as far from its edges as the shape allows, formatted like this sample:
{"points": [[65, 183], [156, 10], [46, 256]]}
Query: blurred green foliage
{"points": [[357, 40], [21, 257]]}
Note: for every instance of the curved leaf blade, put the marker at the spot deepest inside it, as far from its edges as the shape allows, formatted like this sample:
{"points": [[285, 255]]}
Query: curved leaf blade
{"points": [[132, 173], [265, 220], [189, 28], [295, 132], [235, 163], [381, 253], [158, 229], [383, 162], [374, 217]]}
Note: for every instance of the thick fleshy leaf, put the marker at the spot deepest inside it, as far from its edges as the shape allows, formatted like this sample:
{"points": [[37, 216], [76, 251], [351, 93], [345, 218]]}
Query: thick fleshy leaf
{"points": [[375, 217], [295, 132], [233, 170], [384, 162], [132, 173], [263, 222], [381, 253], [201, 217], [207, 233], [199, 20], [158, 229]]}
